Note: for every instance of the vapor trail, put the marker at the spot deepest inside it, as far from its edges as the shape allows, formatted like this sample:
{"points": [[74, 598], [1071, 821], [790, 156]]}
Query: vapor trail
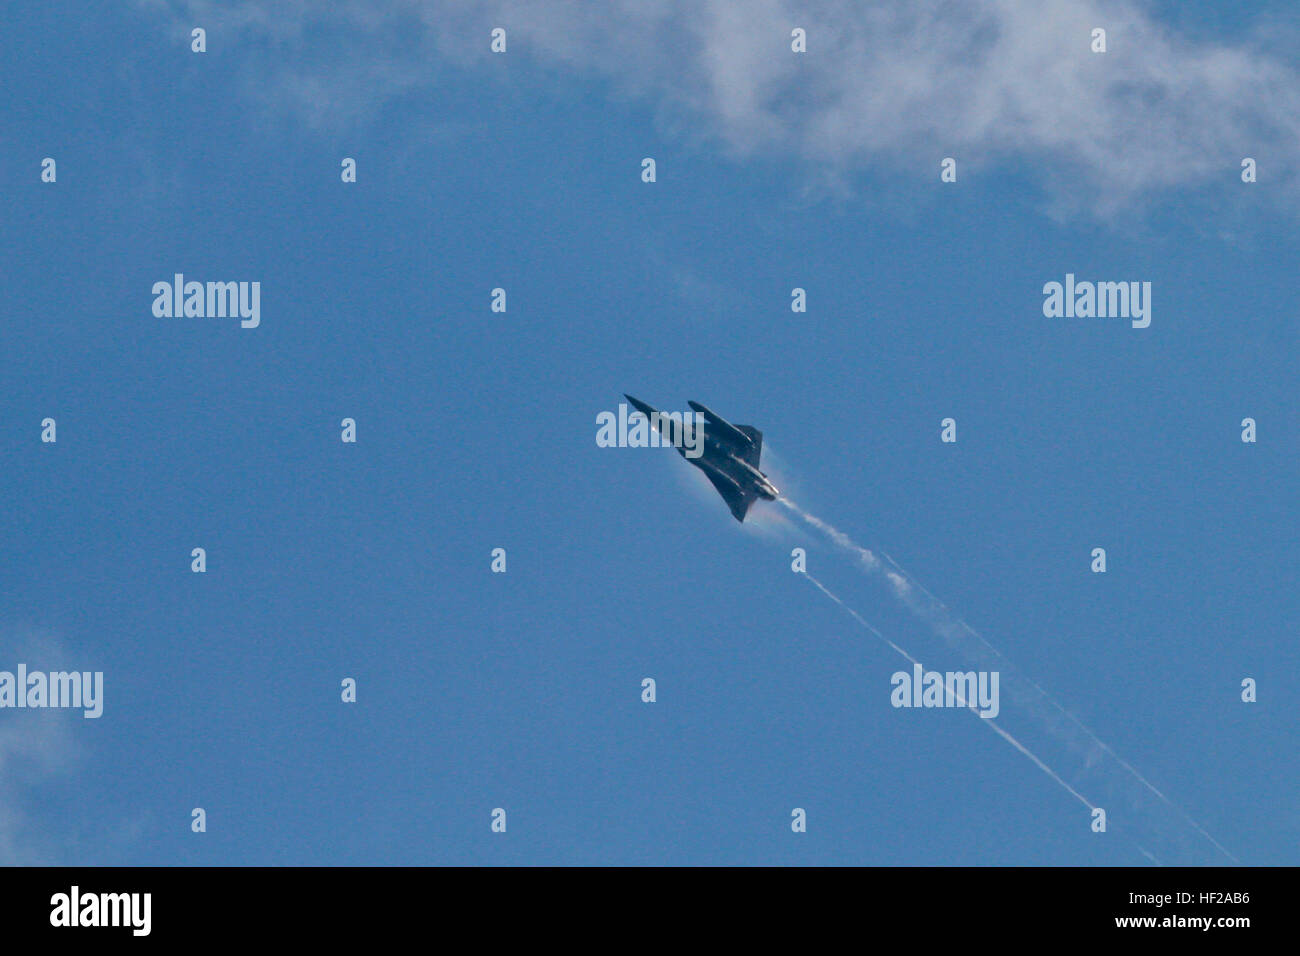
{"points": [[989, 722], [957, 633], [953, 620]]}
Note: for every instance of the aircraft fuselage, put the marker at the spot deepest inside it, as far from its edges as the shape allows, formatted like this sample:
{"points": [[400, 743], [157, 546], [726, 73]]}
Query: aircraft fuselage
{"points": [[738, 471], [729, 457]]}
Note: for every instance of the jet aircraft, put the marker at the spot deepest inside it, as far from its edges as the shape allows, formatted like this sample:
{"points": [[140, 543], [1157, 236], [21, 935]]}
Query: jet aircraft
{"points": [[729, 459]]}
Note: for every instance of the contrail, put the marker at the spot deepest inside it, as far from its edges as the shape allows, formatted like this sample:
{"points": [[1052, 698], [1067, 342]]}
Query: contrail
{"points": [[953, 620], [989, 722], [957, 633]]}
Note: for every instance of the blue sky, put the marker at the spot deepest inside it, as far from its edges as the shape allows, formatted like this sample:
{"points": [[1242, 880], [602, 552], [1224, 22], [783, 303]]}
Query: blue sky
{"points": [[477, 430]]}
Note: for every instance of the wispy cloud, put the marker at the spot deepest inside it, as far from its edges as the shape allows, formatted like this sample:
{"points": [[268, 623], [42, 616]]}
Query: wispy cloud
{"points": [[884, 87], [37, 747]]}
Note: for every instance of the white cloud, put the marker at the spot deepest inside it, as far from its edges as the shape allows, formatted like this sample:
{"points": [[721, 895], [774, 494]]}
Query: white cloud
{"points": [[37, 747], [886, 86]]}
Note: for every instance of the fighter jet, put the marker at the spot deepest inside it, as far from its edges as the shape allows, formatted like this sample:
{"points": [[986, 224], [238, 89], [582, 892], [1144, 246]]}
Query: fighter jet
{"points": [[729, 458]]}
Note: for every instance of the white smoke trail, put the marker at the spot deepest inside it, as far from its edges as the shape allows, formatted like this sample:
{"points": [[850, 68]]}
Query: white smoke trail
{"points": [[958, 633], [937, 608], [987, 721]]}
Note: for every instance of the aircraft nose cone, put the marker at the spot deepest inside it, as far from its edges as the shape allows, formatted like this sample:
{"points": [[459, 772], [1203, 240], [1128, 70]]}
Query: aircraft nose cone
{"points": [[639, 405]]}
